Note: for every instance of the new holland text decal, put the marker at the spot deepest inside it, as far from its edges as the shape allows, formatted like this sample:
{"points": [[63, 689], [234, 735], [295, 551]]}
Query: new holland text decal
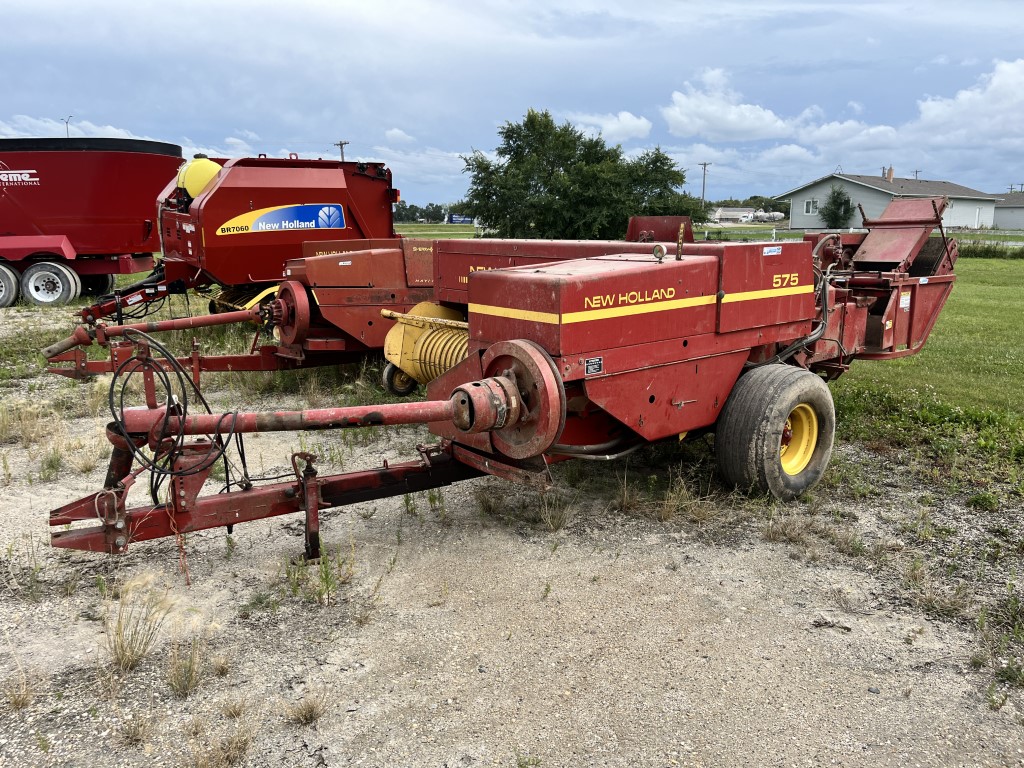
{"points": [[281, 217]]}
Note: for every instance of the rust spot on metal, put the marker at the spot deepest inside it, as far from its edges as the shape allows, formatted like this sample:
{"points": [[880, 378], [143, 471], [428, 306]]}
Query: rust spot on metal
{"points": [[371, 419]]}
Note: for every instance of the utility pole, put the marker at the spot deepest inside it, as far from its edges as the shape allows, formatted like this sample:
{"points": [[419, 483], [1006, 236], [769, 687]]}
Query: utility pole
{"points": [[704, 181], [1011, 189], [915, 174], [341, 145], [67, 130]]}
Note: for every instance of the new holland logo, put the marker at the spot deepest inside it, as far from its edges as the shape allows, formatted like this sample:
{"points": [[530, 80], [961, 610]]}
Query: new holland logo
{"points": [[13, 178]]}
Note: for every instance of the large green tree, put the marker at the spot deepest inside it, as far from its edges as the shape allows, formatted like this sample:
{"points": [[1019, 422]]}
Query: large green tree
{"points": [[554, 181]]}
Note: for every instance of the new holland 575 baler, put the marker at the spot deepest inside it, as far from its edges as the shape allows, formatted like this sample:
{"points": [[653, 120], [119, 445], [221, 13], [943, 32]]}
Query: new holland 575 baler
{"points": [[587, 357]]}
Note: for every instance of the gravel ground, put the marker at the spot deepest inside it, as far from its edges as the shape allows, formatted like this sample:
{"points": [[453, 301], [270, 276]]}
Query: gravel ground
{"points": [[469, 639]]}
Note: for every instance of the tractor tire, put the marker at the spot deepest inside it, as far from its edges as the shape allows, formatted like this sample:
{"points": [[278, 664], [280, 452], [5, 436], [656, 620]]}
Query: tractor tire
{"points": [[398, 382], [776, 431], [48, 284], [97, 285], [8, 286]]}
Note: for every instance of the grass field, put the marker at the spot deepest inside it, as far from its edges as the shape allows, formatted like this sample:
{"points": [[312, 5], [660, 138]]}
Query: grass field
{"points": [[436, 231]]}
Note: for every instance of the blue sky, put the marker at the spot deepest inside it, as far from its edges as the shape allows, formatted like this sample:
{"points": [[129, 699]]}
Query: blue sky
{"points": [[772, 94]]}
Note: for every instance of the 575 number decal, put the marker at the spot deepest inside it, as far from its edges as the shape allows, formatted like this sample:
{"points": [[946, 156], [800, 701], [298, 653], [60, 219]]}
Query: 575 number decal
{"points": [[785, 280]]}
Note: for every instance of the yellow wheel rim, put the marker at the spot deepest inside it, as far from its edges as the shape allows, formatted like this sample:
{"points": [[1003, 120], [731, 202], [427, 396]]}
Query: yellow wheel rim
{"points": [[799, 439]]}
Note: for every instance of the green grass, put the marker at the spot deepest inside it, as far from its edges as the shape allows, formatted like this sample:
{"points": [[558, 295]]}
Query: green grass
{"points": [[436, 231]]}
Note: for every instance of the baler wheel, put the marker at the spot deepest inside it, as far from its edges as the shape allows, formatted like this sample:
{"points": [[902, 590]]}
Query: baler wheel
{"points": [[776, 431], [398, 382], [47, 284], [8, 286]]}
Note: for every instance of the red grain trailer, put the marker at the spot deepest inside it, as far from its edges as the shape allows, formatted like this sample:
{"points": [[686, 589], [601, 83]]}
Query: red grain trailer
{"points": [[76, 212]]}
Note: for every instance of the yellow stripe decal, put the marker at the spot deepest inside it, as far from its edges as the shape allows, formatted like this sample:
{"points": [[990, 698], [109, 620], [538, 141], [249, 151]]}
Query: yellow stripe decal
{"points": [[793, 290], [633, 309], [515, 314]]}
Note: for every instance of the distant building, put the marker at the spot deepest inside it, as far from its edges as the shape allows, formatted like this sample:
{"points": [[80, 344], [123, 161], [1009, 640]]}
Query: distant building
{"points": [[968, 208], [1009, 211], [733, 215]]}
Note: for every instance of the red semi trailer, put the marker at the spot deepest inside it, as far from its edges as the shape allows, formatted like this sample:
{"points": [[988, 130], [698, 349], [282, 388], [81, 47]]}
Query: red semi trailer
{"points": [[76, 212]]}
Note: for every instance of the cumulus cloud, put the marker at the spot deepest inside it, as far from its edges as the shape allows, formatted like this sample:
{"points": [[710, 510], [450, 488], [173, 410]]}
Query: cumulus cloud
{"points": [[398, 136], [959, 138], [615, 128], [713, 111]]}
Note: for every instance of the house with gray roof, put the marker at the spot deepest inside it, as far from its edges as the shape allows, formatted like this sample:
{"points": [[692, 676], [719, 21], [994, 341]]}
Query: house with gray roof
{"points": [[968, 208], [1010, 211]]}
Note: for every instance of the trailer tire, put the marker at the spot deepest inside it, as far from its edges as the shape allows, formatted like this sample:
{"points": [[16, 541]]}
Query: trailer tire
{"points": [[46, 284], [8, 286], [398, 382], [776, 431], [97, 285], [76, 279]]}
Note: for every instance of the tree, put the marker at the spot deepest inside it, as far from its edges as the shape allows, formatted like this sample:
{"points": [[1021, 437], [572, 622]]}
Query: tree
{"points": [[554, 181], [837, 209]]}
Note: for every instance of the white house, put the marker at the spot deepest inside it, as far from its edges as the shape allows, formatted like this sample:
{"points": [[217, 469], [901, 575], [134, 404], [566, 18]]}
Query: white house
{"points": [[968, 208], [1010, 211]]}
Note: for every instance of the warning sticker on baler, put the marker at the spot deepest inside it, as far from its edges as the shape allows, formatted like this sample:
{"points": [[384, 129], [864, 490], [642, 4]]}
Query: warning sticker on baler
{"points": [[905, 301], [771, 250], [593, 365], [286, 217]]}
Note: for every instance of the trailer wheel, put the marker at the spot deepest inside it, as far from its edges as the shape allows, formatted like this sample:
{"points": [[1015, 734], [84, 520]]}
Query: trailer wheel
{"points": [[47, 284], [8, 286], [397, 381], [97, 285], [76, 280], [776, 431]]}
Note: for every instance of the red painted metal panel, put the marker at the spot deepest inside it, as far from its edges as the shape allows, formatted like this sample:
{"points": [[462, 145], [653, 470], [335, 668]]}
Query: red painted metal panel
{"points": [[670, 399], [455, 260], [765, 284]]}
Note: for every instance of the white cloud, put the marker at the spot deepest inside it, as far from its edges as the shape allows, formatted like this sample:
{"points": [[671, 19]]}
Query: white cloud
{"points": [[615, 128], [398, 136], [855, 106], [715, 112]]}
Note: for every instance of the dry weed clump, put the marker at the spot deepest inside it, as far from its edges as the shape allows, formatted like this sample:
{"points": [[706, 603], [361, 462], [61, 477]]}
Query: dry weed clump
{"points": [[19, 690], [136, 729], [133, 630], [307, 710], [185, 665]]}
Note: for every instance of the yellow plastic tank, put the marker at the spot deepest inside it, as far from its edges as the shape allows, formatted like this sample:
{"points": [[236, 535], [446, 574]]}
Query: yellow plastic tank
{"points": [[195, 175]]}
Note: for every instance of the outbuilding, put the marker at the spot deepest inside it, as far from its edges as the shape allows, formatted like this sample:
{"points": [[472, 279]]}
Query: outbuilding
{"points": [[968, 208], [1010, 211]]}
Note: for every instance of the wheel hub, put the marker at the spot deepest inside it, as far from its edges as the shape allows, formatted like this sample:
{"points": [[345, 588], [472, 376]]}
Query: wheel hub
{"points": [[799, 439]]}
